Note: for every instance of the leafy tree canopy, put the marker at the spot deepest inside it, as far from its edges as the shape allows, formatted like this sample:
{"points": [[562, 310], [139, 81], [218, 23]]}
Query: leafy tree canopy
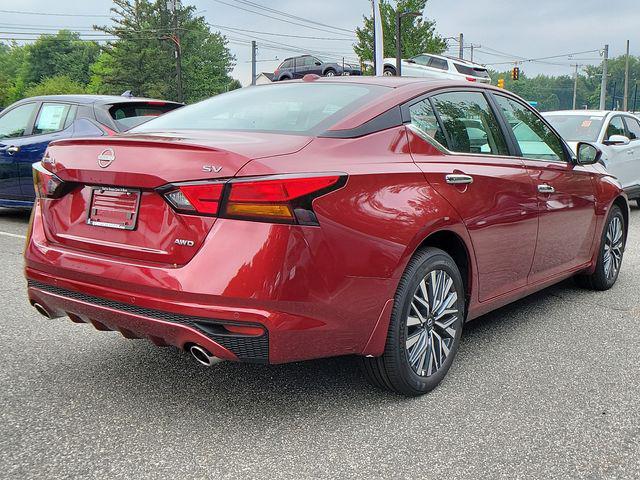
{"points": [[418, 34]]}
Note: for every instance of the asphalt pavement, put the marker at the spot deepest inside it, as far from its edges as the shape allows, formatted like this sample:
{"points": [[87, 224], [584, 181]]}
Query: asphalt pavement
{"points": [[547, 387]]}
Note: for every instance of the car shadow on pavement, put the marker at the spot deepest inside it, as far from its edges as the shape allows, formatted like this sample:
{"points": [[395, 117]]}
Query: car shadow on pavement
{"points": [[136, 372]]}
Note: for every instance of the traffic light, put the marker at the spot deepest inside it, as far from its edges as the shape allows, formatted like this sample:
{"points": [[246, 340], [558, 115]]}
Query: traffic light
{"points": [[515, 73], [501, 83]]}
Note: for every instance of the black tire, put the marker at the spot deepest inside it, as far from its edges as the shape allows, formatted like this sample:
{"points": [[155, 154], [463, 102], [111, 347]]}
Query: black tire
{"points": [[393, 370], [389, 72], [330, 72], [606, 273]]}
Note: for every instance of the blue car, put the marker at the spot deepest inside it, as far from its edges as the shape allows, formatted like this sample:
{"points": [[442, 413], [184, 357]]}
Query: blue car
{"points": [[27, 127]]}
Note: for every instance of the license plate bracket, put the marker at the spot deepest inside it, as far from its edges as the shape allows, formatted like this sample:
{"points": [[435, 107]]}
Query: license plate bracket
{"points": [[113, 207]]}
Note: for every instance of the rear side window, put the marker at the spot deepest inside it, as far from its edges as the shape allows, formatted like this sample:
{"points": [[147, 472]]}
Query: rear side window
{"points": [[131, 114], [15, 122], [469, 123], [439, 63], [424, 118], [52, 118], [302, 108], [616, 127], [535, 139], [634, 128], [472, 71]]}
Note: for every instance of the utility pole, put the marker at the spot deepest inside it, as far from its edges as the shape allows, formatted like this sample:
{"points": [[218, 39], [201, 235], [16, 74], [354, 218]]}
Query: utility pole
{"points": [[176, 42], [461, 42], [625, 101], [471, 49], [575, 86], [399, 17], [603, 85], [378, 41], [254, 49], [613, 97]]}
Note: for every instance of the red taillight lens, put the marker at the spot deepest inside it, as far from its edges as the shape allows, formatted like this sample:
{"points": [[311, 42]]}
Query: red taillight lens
{"points": [[278, 190], [45, 183], [201, 198], [280, 200], [472, 79]]}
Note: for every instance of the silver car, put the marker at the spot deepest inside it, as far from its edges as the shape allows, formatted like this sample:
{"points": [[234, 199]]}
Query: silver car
{"points": [[616, 133]]}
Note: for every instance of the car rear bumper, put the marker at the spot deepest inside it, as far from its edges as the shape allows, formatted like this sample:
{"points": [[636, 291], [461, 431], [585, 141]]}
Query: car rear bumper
{"points": [[265, 299]]}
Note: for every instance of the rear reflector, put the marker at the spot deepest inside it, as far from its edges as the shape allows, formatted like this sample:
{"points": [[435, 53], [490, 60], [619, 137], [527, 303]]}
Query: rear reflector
{"points": [[271, 199], [45, 183]]}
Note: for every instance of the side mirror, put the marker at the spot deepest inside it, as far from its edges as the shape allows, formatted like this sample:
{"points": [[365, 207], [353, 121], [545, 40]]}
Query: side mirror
{"points": [[411, 60], [617, 140], [318, 63], [588, 154]]}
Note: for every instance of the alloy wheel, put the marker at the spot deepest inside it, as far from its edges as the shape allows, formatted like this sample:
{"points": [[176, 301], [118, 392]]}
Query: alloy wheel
{"points": [[613, 245], [432, 323]]}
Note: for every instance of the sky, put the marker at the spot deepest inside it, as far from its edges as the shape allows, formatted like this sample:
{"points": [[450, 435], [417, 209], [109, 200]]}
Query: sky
{"points": [[502, 31]]}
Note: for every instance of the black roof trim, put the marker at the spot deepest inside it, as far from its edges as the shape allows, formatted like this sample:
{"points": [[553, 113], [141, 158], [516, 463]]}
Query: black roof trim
{"points": [[389, 119]]}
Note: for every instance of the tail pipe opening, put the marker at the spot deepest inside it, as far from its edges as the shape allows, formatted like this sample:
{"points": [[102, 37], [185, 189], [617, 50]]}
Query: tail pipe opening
{"points": [[202, 356], [41, 310]]}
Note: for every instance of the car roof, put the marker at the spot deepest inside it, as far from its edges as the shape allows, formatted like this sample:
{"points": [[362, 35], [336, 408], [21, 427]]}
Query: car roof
{"points": [[92, 99]]}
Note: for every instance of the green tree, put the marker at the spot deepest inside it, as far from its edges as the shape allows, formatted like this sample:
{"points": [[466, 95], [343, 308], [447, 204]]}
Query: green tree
{"points": [[60, 54], [58, 85], [13, 61], [142, 59], [418, 34]]}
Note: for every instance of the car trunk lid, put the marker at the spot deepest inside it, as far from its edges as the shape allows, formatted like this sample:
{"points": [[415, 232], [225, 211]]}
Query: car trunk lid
{"points": [[112, 205]]}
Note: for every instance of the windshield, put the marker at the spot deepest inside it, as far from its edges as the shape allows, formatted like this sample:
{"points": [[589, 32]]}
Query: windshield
{"points": [[577, 128], [295, 108]]}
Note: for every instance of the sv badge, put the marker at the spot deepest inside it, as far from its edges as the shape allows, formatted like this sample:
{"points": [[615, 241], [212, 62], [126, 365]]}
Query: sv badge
{"points": [[211, 168]]}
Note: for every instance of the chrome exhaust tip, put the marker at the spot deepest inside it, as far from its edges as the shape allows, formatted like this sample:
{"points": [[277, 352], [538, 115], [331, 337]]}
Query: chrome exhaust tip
{"points": [[202, 356], [41, 310]]}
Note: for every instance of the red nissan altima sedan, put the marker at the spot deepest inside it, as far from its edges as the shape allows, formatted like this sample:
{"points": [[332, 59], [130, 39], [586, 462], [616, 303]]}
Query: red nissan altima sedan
{"points": [[322, 217]]}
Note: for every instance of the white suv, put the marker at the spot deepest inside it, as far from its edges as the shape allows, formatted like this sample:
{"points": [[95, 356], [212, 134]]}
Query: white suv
{"points": [[438, 66]]}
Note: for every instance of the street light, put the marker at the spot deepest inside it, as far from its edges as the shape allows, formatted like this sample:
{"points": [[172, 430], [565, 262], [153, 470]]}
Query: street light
{"points": [[399, 17]]}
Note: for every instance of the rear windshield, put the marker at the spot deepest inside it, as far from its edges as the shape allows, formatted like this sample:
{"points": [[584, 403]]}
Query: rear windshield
{"points": [[472, 71], [130, 114], [577, 128], [295, 108]]}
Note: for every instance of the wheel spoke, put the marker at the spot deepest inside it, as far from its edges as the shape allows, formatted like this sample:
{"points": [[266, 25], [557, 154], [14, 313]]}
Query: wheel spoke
{"points": [[432, 322]]}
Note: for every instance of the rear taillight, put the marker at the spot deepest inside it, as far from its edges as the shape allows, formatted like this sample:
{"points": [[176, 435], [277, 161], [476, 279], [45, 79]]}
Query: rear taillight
{"points": [[45, 183], [273, 199], [472, 79]]}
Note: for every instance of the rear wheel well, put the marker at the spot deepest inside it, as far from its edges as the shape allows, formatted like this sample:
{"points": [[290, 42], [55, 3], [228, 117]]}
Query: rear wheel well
{"points": [[455, 247]]}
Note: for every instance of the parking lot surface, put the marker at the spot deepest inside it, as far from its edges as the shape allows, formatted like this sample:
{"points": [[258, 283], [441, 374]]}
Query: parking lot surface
{"points": [[548, 387]]}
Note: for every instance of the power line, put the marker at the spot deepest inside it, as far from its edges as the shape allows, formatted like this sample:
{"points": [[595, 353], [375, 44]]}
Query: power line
{"points": [[223, 27], [288, 15], [274, 18], [54, 14]]}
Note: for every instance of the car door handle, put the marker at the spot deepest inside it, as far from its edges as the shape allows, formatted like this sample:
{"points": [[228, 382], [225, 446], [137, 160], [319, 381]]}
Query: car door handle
{"points": [[13, 149], [458, 179], [546, 188]]}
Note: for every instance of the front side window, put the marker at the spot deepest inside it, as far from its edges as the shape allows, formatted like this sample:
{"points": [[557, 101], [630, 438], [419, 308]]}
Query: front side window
{"points": [[469, 123], [51, 118], [15, 122], [421, 59], [293, 108], [633, 127], [616, 127], [535, 139]]}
